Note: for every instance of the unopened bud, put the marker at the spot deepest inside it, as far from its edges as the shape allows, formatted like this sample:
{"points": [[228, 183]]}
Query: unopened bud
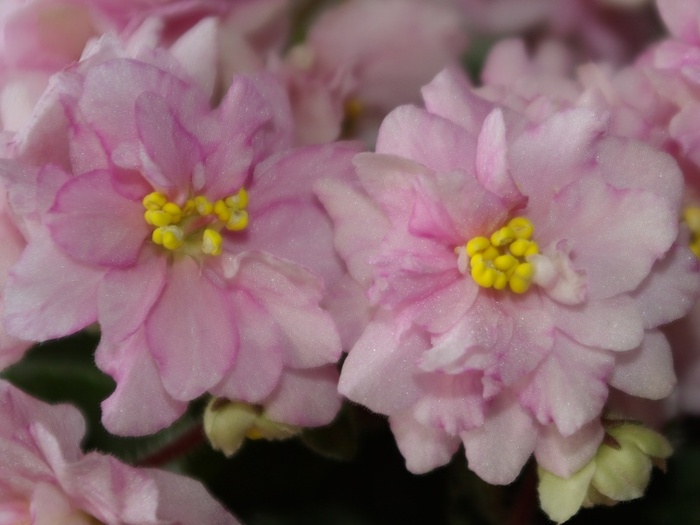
{"points": [[620, 471], [228, 423]]}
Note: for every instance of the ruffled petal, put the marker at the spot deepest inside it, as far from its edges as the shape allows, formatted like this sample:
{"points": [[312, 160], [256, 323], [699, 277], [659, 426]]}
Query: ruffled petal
{"points": [[380, 371], [646, 371], [616, 234], [38, 306], [613, 324], [171, 151], [126, 296], [499, 448], [140, 404], [191, 332], [307, 398], [569, 387], [258, 364], [424, 448], [564, 456], [291, 297], [95, 224]]}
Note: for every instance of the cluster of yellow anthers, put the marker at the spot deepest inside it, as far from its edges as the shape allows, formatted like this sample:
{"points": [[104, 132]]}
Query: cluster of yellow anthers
{"points": [[172, 221], [691, 216], [501, 259]]}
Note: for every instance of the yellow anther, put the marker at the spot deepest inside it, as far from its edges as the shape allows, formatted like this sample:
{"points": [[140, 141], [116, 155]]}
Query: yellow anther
{"points": [[501, 281], [238, 221], [503, 236], [695, 248], [532, 249], [211, 242], [239, 201], [154, 201], [490, 253], [157, 236], [521, 278], [158, 218], [484, 275], [691, 216], [203, 205], [172, 237], [476, 245], [525, 271], [188, 208], [500, 260], [522, 227], [222, 211], [173, 210], [505, 262]]}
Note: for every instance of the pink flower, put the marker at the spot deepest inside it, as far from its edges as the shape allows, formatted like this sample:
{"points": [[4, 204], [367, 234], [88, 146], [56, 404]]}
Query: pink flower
{"points": [[175, 227], [520, 270], [363, 58], [47, 479], [212, 39]]}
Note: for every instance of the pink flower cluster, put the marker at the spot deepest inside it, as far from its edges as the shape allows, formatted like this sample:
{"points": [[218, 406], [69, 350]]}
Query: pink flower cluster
{"points": [[500, 267]]}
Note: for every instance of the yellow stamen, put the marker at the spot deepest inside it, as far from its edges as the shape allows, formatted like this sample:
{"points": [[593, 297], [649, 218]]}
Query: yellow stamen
{"points": [[211, 242], [501, 259], [203, 205], [522, 227], [503, 236], [476, 245], [691, 216], [172, 237], [154, 201], [522, 277], [173, 210], [198, 220], [222, 211], [239, 201], [158, 218], [237, 221]]}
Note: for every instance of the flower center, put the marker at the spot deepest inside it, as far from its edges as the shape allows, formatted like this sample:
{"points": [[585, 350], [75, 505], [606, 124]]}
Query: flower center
{"points": [[501, 259], [691, 215], [197, 223]]}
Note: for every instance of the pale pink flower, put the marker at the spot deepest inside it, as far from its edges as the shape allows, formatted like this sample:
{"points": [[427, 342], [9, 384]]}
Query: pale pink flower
{"points": [[204, 297], [525, 369], [363, 58], [47, 479], [212, 39]]}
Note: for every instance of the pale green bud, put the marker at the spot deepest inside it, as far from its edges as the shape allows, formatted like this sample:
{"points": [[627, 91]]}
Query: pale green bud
{"points": [[228, 423], [620, 471]]}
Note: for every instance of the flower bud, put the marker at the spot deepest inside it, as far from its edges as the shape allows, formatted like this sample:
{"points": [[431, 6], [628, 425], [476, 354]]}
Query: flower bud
{"points": [[620, 471], [228, 423]]}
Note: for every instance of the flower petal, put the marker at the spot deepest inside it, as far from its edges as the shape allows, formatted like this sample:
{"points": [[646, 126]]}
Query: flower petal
{"points": [[191, 332], [423, 447], [93, 223], [140, 404], [646, 371], [38, 306]]}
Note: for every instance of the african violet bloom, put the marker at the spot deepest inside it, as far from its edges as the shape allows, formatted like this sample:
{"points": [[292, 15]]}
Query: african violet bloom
{"points": [[46, 478], [362, 58], [520, 270], [175, 227]]}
